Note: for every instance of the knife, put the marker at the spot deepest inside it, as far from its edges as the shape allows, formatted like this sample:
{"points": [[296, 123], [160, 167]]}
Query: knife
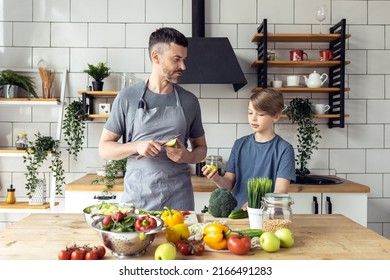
{"points": [[162, 144]]}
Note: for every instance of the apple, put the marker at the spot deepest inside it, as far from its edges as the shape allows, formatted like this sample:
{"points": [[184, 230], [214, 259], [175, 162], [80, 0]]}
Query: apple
{"points": [[286, 237], [165, 251], [269, 242], [171, 143]]}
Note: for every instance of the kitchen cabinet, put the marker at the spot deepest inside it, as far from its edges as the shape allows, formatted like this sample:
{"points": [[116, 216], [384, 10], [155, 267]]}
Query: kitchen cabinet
{"points": [[351, 205], [336, 68], [82, 193], [58, 103], [348, 198]]}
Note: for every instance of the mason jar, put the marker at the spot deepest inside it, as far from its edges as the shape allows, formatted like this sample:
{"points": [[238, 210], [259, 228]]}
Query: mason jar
{"points": [[215, 161], [21, 141], [277, 211]]}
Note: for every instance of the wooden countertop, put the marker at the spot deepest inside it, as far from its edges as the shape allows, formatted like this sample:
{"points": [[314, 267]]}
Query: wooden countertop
{"points": [[317, 237], [202, 184]]}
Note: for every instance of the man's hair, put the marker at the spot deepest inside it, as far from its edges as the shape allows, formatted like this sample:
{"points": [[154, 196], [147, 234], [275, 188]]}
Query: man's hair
{"points": [[165, 36], [268, 101]]}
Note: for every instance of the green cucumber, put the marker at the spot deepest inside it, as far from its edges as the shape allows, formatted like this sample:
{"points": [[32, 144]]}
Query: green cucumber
{"points": [[250, 232], [238, 214]]}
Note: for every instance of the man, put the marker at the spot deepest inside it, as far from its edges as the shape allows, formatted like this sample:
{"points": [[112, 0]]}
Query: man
{"points": [[146, 115]]}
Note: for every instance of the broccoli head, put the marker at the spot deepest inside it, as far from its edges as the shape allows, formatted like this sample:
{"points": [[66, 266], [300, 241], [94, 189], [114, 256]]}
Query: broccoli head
{"points": [[221, 203]]}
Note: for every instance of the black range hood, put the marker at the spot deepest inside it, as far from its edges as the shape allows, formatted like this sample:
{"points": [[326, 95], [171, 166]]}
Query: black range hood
{"points": [[210, 60]]}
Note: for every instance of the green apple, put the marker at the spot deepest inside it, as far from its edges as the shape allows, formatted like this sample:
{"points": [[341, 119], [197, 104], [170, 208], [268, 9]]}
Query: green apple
{"points": [[286, 237], [269, 242], [171, 143], [165, 251], [211, 167]]}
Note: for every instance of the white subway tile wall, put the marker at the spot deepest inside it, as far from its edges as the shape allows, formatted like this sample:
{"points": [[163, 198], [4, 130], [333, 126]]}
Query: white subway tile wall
{"points": [[72, 33]]}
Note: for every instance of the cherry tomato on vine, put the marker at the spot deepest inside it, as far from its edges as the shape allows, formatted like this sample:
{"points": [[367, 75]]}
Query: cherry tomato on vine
{"points": [[91, 254], [64, 255]]}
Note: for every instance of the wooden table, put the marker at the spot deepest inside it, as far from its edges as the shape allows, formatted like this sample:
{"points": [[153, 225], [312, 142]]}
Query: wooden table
{"points": [[41, 236]]}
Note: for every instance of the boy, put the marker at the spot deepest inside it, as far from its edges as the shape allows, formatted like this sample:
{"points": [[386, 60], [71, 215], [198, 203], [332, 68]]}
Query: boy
{"points": [[261, 154]]}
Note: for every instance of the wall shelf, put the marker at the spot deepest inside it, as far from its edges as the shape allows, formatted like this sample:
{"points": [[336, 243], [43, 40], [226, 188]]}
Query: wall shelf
{"points": [[87, 99], [24, 205], [298, 64], [302, 89], [12, 152], [300, 38], [336, 68], [30, 101]]}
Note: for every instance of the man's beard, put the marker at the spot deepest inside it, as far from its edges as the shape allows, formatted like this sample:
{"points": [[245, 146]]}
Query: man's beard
{"points": [[172, 78]]}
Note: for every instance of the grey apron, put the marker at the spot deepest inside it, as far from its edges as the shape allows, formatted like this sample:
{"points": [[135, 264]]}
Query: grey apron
{"points": [[152, 183]]}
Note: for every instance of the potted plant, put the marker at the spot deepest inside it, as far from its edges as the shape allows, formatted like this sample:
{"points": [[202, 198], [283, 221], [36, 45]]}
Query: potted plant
{"points": [[113, 169], [257, 188], [98, 73], [74, 126], [11, 81], [37, 153], [300, 112]]}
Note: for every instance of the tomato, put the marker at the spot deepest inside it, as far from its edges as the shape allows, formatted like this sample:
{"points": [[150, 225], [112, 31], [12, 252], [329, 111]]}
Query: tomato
{"points": [[239, 244], [118, 216], [190, 247], [92, 254], [77, 255], [185, 212], [64, 255], [184, 247], [197, 247], [107, 220], [101, 252]]}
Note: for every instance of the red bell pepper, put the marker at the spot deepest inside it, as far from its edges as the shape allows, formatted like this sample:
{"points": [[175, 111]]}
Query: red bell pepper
{"points": [[145, 223]]}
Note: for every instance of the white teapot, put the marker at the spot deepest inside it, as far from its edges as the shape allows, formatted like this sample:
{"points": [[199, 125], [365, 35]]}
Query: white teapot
{"points": [[315, 80]]}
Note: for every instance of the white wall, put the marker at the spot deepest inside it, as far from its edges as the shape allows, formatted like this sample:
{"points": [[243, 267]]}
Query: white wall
{"points": [[71, 33]]}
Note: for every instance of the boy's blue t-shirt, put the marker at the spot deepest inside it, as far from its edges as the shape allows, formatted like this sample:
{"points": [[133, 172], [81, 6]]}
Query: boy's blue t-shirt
{"points": [[250, 159]]}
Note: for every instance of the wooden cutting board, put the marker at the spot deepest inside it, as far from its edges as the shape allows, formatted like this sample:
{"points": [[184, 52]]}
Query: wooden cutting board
{"points": [[209, 218]]}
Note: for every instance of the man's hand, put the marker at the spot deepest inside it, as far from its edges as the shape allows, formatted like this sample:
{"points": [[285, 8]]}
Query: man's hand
{"points": [[177, 154], [149, 148]]}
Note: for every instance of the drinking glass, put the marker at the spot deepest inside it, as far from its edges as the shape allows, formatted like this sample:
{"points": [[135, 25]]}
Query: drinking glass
{"points": [[321, 13]]}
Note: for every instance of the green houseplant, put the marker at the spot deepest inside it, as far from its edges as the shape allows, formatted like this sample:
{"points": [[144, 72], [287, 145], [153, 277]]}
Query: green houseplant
{"points": [[112, 170], [37, 153], [98, 73], [300, 112], [74, 126], [10, 81]]}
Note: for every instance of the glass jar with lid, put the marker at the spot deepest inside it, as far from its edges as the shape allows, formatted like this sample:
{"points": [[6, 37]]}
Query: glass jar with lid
{"points": [[277, 211], [21, 141], [215, 161]]}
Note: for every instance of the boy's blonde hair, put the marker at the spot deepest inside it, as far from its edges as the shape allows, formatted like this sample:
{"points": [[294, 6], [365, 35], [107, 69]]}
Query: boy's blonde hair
{"points": [[268, 101]]}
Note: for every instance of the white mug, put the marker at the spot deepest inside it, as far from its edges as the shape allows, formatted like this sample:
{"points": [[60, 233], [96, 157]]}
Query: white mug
{"points": [[320, 109], [292, 81], [277, 84]]}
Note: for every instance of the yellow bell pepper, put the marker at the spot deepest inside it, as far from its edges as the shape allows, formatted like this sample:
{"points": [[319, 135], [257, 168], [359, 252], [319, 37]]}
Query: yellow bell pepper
{"points": [[177, 232], [172, 217], [215, 236]]}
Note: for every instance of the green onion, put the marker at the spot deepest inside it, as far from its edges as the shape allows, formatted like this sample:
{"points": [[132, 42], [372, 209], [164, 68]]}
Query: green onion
{"points": [[257, 188]]}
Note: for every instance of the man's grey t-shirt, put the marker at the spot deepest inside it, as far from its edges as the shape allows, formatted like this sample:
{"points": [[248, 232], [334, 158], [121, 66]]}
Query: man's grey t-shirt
{"points": [[123, 110]]}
